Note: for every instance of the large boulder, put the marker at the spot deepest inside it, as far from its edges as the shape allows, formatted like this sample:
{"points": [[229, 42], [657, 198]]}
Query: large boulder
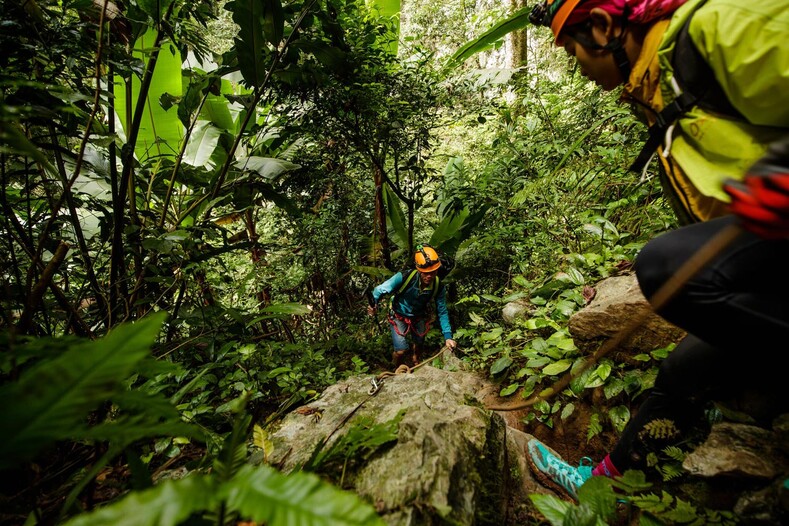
{"points": [[516, 310], [453, 461], [617, 302], [747, 465]]}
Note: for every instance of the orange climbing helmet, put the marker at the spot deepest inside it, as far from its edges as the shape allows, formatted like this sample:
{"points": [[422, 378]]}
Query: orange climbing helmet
{"points": [[553, 14], [561, 14], [426, 258]]}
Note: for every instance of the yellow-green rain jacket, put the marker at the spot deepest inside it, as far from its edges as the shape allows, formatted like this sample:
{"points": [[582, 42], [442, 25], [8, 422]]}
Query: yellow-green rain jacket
{"points": [[746, 44]]}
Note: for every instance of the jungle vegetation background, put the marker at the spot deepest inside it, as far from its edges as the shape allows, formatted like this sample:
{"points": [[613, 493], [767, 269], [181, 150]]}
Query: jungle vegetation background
{"points": [[196, 196]]}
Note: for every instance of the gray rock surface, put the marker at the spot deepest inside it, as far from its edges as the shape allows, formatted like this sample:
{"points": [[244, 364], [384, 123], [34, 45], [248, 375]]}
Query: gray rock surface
{"points": [[516, 310], [618, 301], [453, 462], [738, 450]]}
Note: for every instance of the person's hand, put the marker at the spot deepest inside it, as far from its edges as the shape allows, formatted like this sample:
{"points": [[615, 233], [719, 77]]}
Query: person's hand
{"points": [[371, 310], [450, 344], [761, 200]]}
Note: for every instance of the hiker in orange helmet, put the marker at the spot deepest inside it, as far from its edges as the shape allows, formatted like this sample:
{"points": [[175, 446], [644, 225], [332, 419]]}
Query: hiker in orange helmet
{"points": [[416, 292], [711, 79]]}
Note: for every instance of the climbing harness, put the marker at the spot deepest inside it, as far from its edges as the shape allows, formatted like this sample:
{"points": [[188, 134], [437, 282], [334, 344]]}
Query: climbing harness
{"points": [[408, 321], [409, 324]]}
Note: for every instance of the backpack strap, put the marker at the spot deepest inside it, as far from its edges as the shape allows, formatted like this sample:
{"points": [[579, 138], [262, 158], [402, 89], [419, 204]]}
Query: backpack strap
{"points": [[698, 87], [435, 287], [407, 281]]}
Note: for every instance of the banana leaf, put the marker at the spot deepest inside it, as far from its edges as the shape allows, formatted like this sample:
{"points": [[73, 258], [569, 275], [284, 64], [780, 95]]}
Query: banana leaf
{"points": [[486, 40]]}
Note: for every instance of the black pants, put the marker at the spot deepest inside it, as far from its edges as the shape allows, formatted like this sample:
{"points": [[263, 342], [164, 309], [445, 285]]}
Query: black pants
{"points": [[736, 313]]}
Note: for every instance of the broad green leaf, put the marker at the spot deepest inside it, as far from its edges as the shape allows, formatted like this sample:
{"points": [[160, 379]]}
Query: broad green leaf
{"points": [[394, 214], [557, 367], [619, 416], [518, 20], [51, 400], [566, 307], [201, 146], [451, 224], [278, 371], [492, 335], [250, 40], [535, 363], [273, 21], [490, 297], [216, 109], [613, 387], [267, 167], [265, 495], [603, 371], [500, 365], [161, 131], [663, 352], [540, 323], [288, 309], [575, 276], [560, 340], [553, 508], [599, 503], [167, 504], [509, 389]]}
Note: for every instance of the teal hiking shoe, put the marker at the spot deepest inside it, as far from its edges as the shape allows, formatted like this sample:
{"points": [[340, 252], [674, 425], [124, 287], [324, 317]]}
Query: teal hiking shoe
{"points": [[554, 472]]}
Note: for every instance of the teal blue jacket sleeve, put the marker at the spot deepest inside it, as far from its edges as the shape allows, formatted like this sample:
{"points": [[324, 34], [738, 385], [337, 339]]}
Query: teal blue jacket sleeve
{"points": [[387, 286], [443, 313]]}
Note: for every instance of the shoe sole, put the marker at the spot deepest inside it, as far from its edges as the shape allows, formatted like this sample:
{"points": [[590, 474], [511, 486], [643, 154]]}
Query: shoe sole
{"points": [[546, 480]]}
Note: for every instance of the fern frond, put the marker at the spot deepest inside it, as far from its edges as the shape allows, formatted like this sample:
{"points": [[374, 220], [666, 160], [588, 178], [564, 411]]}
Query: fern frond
{"points": [[595, 427], [265, 495], [660, 429], [51, 400], [167, 504], [671, 471], [363, 438], [234, 450], [675, 453]]}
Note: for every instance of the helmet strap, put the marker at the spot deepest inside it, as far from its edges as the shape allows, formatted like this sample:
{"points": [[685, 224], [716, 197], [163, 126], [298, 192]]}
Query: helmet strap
{"points": [[620, 57], [615, 46], [618, 49]]}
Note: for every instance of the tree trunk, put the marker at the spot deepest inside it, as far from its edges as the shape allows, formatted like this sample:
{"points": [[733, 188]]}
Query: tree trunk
{"points": [[380, 216], [518, 40]]}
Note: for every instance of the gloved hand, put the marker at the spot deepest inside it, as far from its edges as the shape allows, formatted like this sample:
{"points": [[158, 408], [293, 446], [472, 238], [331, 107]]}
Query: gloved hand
{"points": [[761, 200]]}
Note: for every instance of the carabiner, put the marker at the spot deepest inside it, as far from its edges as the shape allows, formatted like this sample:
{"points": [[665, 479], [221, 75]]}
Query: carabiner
{"points": [[375, 387]]}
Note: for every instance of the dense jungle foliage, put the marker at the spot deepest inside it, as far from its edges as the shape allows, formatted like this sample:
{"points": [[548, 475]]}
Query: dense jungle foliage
{"points": [[197, 195]]}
